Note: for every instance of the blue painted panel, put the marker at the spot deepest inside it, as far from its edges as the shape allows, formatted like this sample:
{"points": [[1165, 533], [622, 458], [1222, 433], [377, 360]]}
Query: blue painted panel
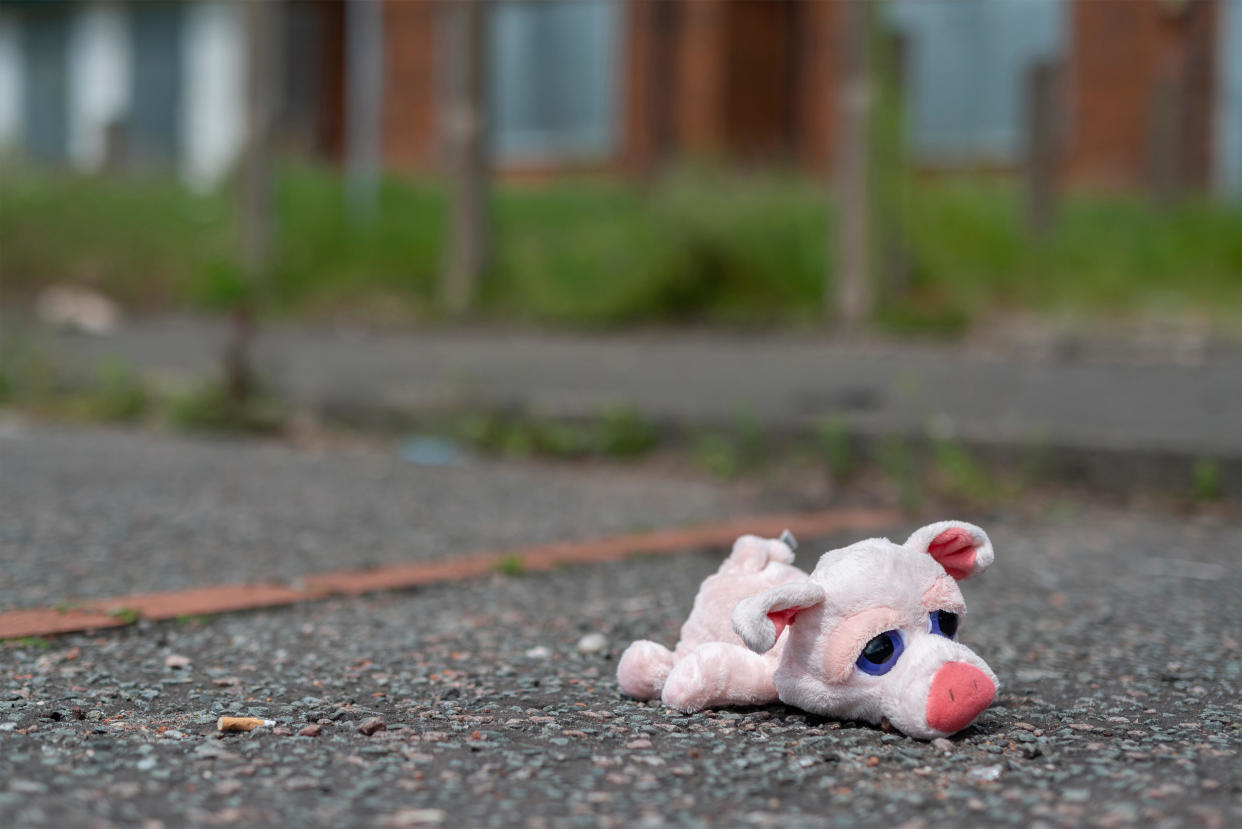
{"points": [[965, 70], [1229, 105], [155, 115], [553, 79], [44, 36]]}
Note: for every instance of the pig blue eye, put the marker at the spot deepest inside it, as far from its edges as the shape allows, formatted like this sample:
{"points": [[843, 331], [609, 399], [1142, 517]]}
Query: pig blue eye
{"points": [[944, 623], [881, 653]]}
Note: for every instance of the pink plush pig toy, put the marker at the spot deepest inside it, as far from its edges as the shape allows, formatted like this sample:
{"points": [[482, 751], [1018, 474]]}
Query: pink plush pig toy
{"points": [[868, 635]]}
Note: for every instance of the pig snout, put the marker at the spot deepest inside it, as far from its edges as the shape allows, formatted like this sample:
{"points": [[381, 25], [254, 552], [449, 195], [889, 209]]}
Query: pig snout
{"points": [[959, 692]]}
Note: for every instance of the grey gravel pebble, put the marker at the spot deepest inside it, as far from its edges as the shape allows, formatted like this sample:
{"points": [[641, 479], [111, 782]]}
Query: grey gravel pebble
{"points": [[371, 725], [592, 643]]}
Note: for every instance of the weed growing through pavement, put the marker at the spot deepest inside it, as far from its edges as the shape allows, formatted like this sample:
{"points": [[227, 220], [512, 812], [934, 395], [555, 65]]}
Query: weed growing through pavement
{"points": [[111, 393], [752, 444], [716, 454], [1035, 465], [898, 463], [618, 434], [126, 615], [833, 441], [116, 393], [623, 433], [961, 474], [1207, 485], [511, 565], [209, 407]]}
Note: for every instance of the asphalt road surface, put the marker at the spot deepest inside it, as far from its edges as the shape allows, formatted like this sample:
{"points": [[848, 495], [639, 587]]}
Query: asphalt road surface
{"points": [[1117, 637], [90, 513]]}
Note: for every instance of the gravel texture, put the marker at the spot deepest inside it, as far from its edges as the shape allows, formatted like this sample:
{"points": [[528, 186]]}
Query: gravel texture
{"points": [[95, 513], [493, 703]]}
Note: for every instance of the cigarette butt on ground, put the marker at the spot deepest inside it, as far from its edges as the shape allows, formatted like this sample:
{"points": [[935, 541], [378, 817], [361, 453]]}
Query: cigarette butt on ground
{"points": [[242, 723]]}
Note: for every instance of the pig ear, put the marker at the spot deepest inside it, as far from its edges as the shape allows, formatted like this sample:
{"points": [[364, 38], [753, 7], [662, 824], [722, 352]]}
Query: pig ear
{"points": [[760, 619], [961, 548]]}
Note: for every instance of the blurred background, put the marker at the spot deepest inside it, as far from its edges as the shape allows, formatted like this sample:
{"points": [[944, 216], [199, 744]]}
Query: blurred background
{"points": [[294, 288], [1033, 173], [603, 162]]}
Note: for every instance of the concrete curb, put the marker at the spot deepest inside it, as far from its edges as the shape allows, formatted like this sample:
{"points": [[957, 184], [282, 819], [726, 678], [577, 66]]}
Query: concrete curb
{"points": [[1118, 418]]}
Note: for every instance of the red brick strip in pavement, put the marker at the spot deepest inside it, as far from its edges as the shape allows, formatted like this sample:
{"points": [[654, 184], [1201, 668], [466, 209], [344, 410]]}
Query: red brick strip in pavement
{"points": [[224, 598]]}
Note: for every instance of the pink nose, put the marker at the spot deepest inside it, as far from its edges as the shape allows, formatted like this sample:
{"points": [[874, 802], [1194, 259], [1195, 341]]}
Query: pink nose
{"points": [[958, 693]]}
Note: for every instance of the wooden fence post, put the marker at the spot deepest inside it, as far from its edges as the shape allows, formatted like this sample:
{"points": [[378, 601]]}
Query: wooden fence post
{"points": [[1042, 140], [262, 43], [851, 304], [1165, 139], [364, 65], [263, 49], [466, 147]]}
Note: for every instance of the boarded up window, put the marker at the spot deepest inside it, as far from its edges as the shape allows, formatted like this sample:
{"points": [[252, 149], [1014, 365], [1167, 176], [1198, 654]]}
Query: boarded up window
{"points": [[965, 66], [155, 114], [1229, 124], [45, 102], [553, 79]]}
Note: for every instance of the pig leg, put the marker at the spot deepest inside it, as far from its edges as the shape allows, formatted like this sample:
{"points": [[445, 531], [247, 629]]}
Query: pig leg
{"points": [[643, 668], [718, 673]]}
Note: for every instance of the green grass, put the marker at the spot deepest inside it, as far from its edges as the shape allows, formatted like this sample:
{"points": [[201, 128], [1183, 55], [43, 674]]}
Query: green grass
{"points": [[693, 248], [145, 241], [697, 246], [1103, 255]]}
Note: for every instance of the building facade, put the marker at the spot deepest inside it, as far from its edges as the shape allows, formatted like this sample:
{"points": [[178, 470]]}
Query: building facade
{"points": [[1148, 88]]}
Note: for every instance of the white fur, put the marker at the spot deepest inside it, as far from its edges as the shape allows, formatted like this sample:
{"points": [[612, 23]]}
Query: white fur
{"points": [[853, 594], [984, 555], [750, 617]]}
